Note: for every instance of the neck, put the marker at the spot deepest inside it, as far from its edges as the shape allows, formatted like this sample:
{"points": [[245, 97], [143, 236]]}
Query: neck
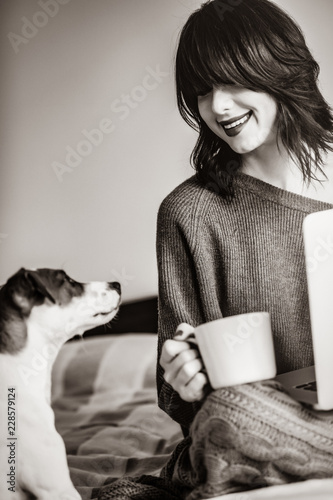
{"points": [[273, 164], [34, 363]]}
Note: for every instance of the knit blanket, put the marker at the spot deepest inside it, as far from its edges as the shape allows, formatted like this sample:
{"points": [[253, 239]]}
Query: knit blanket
{"points": [[243, 437]]}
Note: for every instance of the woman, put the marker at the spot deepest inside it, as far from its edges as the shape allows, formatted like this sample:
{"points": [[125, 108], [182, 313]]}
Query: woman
{"points": [[229, 242], [229, 239]]}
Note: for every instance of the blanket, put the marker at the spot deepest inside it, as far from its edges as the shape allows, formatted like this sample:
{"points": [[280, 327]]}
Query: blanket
{"points": [[244, 437], [105, 403], [118, 441]]}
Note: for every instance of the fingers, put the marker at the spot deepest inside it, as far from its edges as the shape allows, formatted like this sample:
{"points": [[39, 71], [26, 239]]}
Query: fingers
{"points": [[186, 373], [195, 389], [184, 330], [185, 376], [171, 349], [182, 367]]}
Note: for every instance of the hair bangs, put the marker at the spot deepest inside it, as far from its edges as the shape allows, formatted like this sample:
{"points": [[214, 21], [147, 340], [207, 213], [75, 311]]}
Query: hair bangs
{"points": [[212, 53], [202, 62]]}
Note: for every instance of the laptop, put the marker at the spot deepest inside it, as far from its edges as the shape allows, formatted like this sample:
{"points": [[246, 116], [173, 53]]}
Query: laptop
{"points": [[314, 384]]}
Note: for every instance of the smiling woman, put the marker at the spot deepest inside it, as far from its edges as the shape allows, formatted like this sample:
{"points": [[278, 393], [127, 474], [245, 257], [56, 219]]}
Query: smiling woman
{"points": [[91, 132], [229, 239], [88, 93]]}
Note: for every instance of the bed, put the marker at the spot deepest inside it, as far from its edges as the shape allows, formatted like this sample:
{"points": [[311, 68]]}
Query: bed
{"points": [[104, 399]]}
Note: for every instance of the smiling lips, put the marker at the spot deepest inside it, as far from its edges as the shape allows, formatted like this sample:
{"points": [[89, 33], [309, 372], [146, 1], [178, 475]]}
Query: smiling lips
{"points": [[234, 126]]}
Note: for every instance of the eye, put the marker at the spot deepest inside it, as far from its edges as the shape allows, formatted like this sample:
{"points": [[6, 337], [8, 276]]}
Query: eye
{"points": [[70, 281]]}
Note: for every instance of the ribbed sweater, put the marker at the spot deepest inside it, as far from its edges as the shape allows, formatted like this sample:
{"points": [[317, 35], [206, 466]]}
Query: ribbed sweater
{"points": [[218, 258]]}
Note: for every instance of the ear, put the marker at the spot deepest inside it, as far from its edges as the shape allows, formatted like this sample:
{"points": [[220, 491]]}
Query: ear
{"points": [[40, 284]]}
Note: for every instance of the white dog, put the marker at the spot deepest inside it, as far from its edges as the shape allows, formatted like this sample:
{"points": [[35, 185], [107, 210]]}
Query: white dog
{"points": [[39, 311]]}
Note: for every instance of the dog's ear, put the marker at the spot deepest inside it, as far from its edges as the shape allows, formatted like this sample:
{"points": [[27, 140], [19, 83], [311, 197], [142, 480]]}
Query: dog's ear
{"points": [[40, 284]]}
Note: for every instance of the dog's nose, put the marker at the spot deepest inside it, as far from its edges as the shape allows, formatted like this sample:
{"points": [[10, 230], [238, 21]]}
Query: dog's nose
{"points": [[115, 286]]}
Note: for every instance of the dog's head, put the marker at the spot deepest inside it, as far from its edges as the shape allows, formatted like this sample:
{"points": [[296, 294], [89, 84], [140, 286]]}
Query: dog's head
{"points": [[49, 300]]}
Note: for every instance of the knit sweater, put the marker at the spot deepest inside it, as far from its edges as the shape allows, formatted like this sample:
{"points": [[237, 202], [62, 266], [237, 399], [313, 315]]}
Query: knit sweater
{"points": [[218, 258]]}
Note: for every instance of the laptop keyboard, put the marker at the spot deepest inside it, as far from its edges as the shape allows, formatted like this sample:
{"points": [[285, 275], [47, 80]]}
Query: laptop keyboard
{"points": [[309, 386]]}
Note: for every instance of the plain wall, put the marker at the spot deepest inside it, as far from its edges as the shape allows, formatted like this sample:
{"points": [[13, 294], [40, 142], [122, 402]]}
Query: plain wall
{"points": [[99, 64]]}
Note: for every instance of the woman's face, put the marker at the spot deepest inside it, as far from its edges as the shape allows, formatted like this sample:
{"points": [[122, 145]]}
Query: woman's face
{"points": [[244, 119]]}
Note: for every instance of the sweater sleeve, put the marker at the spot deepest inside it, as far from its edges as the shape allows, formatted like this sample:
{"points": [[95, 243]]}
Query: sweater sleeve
{"points": [[179, 296]]}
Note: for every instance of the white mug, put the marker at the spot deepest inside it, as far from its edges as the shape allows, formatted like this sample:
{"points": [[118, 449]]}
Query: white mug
{"points": [[236, 349]]}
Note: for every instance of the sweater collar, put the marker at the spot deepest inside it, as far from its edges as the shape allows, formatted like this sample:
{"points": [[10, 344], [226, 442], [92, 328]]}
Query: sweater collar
{"points": [[275, 194]]}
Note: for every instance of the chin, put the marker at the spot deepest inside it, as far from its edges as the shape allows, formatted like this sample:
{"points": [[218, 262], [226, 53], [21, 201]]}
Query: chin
{"points": [[244, 147]]}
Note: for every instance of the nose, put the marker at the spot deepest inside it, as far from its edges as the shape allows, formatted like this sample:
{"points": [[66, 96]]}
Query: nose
{"points": [[222, 101], [114, 285]]}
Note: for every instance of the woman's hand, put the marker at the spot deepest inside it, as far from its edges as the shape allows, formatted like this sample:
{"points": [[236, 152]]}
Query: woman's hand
{"points": [[182, 366]]}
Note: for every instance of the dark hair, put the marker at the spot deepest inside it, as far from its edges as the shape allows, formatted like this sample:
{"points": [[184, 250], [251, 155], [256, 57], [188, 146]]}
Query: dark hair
{"points": [[255, 44]]}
